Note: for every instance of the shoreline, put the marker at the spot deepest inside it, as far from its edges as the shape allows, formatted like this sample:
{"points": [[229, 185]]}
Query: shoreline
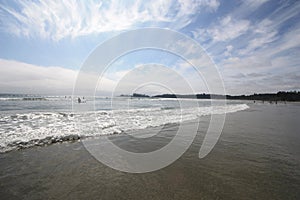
{"points": [[41, 134], [256, 157]]}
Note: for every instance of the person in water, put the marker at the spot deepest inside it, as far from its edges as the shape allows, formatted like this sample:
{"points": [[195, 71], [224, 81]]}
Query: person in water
{"points": [[79, 100]]}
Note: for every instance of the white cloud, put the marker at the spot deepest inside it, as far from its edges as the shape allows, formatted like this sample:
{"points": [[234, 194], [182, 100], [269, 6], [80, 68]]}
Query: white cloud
{"points": [[229, 29], [58, 19], [193, 5], [166, 78], [290, 40], [268, 63], [262, 35], [226, 29], [229, 48], [228, 51], [247, 7], [254, 3], [286, 11], [258, 73], [271, 57], [18, 77]]}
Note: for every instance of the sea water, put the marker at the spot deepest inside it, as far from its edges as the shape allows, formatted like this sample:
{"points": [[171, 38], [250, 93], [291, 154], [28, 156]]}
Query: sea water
{"points": [[36, 120]]}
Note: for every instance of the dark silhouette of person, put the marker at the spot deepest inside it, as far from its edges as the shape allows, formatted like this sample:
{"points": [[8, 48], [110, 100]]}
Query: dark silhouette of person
{"points": [[79, 100]]}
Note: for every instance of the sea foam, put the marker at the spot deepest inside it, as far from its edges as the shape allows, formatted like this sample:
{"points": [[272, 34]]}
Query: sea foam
{"points": [[19, 131]]}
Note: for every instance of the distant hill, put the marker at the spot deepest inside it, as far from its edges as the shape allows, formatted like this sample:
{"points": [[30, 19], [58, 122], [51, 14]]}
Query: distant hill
{"points": [[135, 95], [279, 96]]}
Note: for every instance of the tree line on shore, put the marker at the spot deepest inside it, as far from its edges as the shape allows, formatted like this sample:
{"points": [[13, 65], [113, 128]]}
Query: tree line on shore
{"points": [[279, 96]]}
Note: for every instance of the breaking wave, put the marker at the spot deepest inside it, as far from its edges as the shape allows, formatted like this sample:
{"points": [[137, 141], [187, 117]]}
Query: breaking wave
{"points": [[18, 131]]}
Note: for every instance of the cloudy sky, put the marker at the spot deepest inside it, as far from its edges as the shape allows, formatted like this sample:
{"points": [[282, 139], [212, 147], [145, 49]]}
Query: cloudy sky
{"points": [[255, 44]]}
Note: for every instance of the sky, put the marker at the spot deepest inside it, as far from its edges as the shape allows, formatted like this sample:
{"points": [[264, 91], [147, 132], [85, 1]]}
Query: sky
{"points": [[255, 44]]}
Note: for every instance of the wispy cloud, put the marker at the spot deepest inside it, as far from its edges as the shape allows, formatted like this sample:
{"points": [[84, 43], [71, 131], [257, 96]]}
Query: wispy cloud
{"points": [[263, 34], [58, 19], [254, 3], [228, 29], [263, 71], [255, 43]]}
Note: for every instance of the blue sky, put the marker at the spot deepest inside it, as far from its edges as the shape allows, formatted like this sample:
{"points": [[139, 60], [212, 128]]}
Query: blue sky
{"points": [[254, 43]]}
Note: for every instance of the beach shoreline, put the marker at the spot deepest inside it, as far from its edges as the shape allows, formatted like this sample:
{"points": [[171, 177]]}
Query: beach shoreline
{"points": [[256, 157]]}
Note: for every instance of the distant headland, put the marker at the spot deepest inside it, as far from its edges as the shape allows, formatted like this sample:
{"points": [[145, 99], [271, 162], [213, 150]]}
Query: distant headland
{"points": [[279, 96]]}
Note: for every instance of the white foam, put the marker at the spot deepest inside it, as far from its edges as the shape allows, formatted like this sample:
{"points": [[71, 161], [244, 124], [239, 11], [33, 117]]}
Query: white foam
{"points": [[25, 130]]}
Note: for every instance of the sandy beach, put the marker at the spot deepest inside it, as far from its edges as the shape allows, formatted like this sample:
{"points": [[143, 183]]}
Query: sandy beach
{"points": [[257, 157]]}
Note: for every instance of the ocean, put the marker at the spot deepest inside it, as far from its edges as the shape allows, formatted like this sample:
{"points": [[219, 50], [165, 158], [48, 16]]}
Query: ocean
{"points": [[37, 120]]}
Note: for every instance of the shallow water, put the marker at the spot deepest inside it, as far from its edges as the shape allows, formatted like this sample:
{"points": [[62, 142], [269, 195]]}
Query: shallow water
{"points": [[27, 121]]}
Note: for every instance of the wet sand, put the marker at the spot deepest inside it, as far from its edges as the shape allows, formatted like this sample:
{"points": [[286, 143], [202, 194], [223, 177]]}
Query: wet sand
{"points": [[257, 157]]}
